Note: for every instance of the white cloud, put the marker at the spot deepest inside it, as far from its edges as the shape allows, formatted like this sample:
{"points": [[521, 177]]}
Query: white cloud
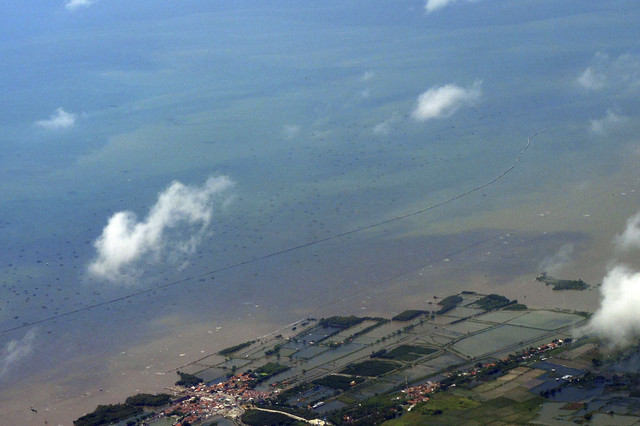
{"points": [[603, 125], [442, 102], [16, 350], [553, 264], [630, 238], [384, 128], [591, 79], [59, 120], [617, 320], [290, 131], [622, 72], [74, 4], [433, 5], [368, 75], [364, 94], [126, 243]]}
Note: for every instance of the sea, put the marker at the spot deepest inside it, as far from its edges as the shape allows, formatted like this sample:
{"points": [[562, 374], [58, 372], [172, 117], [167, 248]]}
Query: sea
{"points": [[178, 177]]}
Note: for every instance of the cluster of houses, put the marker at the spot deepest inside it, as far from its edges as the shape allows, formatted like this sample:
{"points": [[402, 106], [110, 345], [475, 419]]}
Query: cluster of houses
{"points": [[202, 402], [419, 393], [528, 353]]}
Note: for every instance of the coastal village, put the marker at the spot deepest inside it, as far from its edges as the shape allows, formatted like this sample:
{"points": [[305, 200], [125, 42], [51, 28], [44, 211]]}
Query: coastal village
{"points": [[196, 404], [475, 351]]}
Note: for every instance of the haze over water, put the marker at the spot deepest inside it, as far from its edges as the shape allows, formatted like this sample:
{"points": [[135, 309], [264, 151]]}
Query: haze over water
{"points": [[325, 119]]}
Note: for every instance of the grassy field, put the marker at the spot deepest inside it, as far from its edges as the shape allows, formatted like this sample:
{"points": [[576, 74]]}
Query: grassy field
{"points": [[448, 408], [407, 353], [372, 368]]}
